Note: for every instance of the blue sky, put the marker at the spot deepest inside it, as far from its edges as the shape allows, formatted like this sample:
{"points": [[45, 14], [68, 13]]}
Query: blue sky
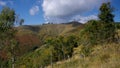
{"points": [[41, 11]]}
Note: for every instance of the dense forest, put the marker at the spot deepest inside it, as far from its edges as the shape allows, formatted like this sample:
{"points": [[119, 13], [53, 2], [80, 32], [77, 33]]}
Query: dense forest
{"points": [[65, 45]]}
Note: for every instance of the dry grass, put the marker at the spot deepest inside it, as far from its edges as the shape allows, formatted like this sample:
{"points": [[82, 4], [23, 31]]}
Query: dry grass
{"points": [[103, 56]]}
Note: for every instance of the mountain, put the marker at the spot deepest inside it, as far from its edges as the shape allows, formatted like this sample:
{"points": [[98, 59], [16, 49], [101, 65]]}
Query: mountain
{"points": [[64, 27], [32, 51], [31, 37]]}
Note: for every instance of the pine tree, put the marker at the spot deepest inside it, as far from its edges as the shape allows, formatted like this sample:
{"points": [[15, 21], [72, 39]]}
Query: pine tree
{"points": [[101, 31], [106, 13], [107, 22]]}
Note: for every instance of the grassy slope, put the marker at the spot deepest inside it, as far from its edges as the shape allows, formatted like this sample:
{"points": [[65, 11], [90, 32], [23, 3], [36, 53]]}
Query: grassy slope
{"points": [[58, 29], [103, 56], [48, 30]]}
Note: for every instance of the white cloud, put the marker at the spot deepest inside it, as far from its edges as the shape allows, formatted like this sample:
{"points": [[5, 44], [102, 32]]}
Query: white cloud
{"points": [[68, 7], [2, 3], [34, 10], [61, 9], [82, 19]]}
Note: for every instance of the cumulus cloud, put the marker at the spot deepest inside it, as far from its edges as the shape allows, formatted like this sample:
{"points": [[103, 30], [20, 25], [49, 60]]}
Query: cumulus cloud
{"points": [[60, 9], [34, 10], [67, 7], [85, 19], [2, 3]]}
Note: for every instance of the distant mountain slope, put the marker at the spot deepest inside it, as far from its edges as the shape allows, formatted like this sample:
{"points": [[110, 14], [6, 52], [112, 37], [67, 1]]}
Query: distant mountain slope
{"points": [[50, 28], [33, 36]]}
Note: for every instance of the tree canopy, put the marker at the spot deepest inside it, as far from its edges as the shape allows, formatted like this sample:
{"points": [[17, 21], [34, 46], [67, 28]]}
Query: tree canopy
{"points": [[102, 30]]}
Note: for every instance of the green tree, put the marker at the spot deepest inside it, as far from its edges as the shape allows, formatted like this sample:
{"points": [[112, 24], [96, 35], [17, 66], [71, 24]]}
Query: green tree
{"points": [[106, 14], [21, 21], [106, 17], [91, 33], [7, 32], [63, 46], [100, 31]]}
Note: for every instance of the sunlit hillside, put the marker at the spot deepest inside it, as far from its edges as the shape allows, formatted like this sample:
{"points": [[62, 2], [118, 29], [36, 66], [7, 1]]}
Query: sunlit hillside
{"points": [[102, 56], [59, 34]]}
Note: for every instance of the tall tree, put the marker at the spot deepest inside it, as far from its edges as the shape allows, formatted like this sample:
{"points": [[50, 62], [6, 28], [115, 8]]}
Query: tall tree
{"points": [[106, 17], [7, 19], [106, 14], [7, 31], [100, 31]]}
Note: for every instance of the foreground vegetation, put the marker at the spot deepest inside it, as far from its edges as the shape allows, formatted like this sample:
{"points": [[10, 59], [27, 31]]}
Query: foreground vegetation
{"points": [[72, 45], [102, 56]]}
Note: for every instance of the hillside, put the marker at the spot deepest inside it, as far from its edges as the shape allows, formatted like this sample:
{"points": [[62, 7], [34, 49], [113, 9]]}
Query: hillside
{"points": [[58, 29], [33, 36], [32, 50], [30, 38], [100, 56], [71, 37], [103, 56]]}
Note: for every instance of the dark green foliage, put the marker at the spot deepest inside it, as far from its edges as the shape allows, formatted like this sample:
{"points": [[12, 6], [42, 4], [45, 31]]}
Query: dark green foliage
{"points": [[91, 32], [106, 13], [108, 32], [117, 25], [63, 46], [107, 22], [39, 58], [7, 20], [7, 31], [55, 49], [102, 31]]}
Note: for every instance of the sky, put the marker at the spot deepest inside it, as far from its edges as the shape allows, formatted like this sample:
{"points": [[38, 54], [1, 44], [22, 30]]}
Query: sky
{"points": [[36, 12]]}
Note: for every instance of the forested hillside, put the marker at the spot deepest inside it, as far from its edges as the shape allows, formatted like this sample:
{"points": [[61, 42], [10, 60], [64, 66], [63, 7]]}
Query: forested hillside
{"points": [[95, 44]]}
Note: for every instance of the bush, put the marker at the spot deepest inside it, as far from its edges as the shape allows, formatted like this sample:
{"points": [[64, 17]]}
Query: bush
{"points": [[90, 35], [86, 51]]}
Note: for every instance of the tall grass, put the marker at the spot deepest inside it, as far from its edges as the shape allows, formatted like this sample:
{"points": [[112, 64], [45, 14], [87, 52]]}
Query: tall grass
{"points": [[103, 56]]}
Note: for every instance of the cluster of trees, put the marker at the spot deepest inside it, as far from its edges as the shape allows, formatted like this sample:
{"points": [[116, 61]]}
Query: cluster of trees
{"points": [[102, 30], [62, 46], [54, 49], [99, 31]]}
